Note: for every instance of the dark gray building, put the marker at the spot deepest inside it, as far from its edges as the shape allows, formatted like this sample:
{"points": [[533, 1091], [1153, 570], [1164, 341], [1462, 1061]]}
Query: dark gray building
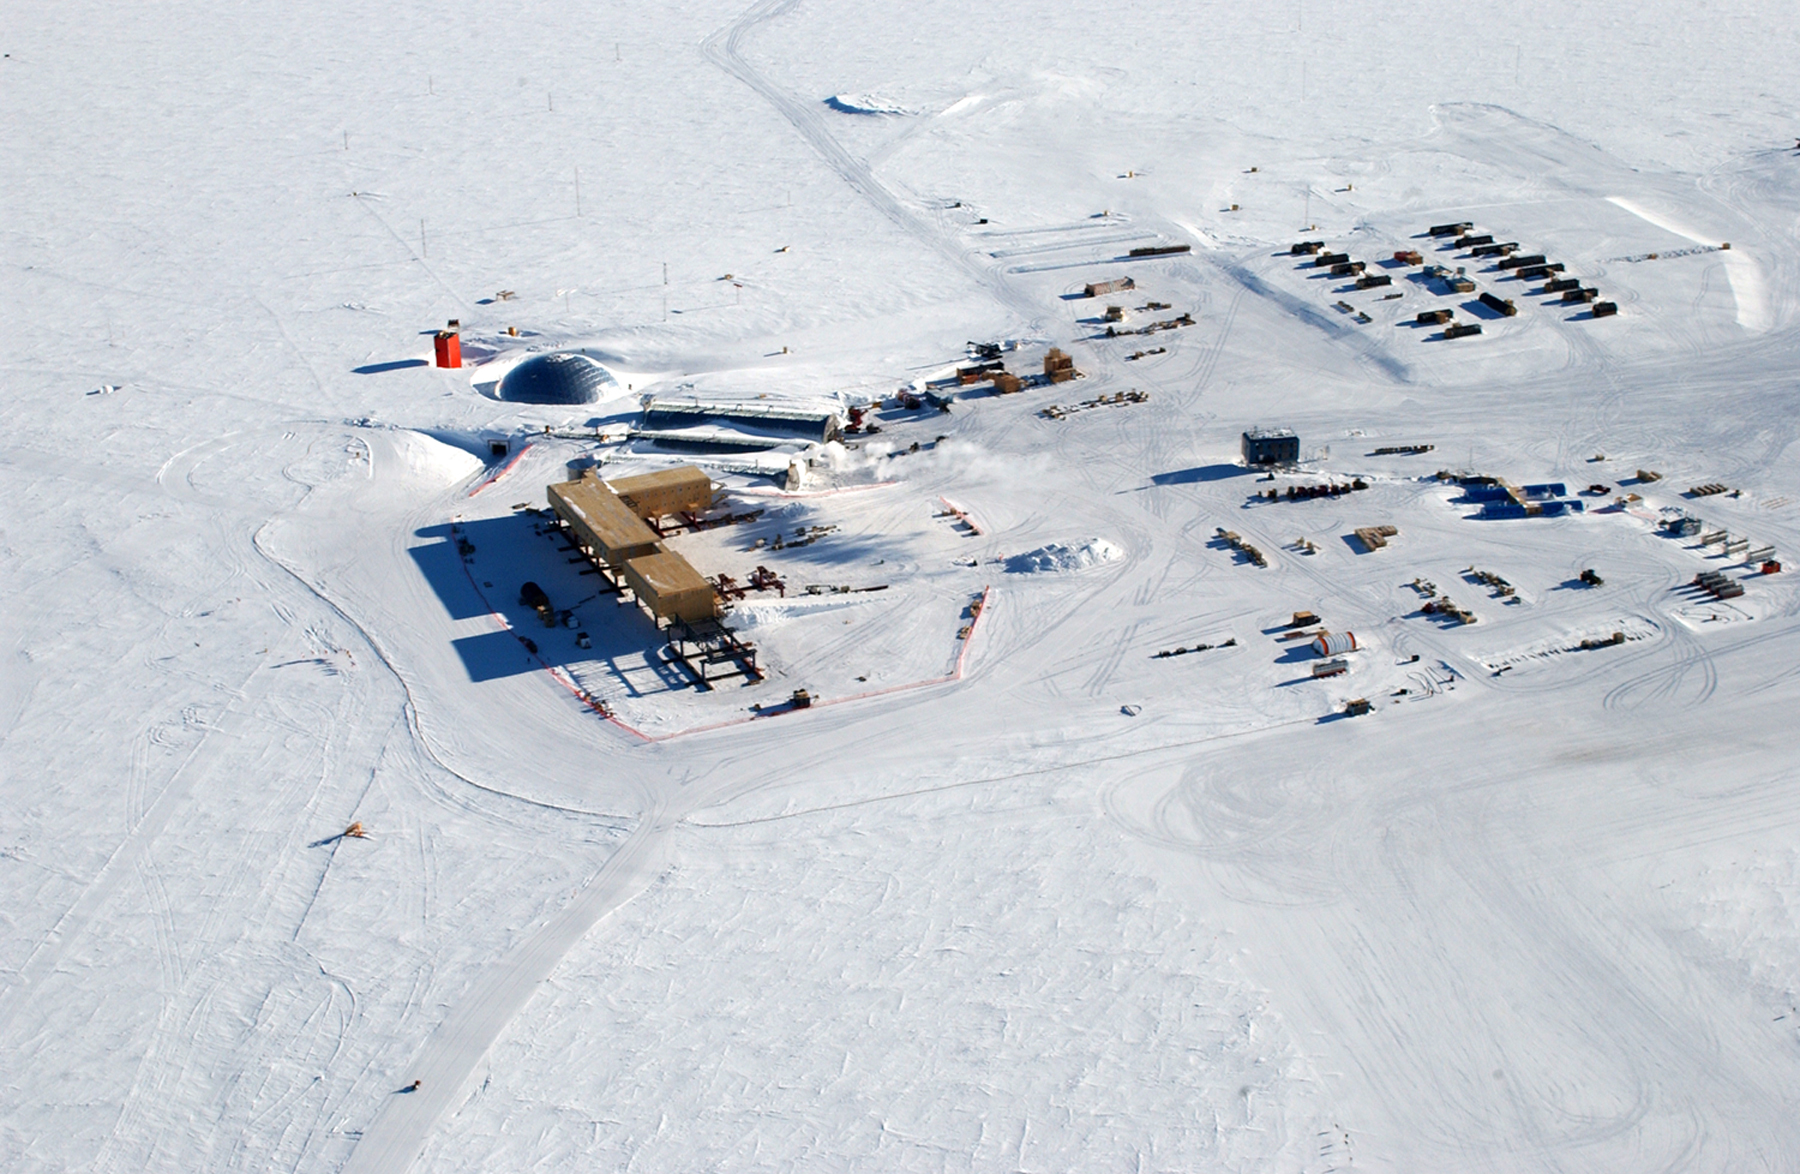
{"points": [[1271, 446]]}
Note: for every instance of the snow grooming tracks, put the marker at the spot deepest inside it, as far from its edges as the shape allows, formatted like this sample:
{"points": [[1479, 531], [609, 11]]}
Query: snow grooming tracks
{"points": [[722, 48], [1588, 639], [393, 1139], [965, 637], [1747, 287]]}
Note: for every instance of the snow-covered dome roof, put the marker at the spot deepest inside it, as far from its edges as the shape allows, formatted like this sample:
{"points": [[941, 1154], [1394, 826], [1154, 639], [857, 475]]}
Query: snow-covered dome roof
{"points": [[559, 378]]}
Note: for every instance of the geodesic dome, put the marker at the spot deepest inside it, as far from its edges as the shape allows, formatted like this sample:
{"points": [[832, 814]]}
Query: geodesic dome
{"points": [[559, 378]]}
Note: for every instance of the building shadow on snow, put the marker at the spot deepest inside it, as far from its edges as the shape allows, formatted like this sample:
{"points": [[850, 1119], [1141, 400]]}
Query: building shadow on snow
{"points": [[395, 365], [482, 577], [1198, 473]]}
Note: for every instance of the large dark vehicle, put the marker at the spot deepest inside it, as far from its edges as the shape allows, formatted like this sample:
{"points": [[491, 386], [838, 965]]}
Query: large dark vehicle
{"points": [[533, 597]]}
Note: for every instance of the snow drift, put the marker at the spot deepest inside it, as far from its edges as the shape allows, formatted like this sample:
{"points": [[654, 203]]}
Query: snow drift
{"points": [[1058, 556]]}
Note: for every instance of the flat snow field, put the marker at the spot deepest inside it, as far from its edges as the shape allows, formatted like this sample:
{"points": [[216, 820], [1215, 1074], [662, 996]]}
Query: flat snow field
{"points": [[1072, 862]]}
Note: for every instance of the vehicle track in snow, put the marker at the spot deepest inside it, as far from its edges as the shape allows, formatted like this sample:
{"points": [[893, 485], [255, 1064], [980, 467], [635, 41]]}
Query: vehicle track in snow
{"points": [[127, 858], [724, 49], [1377, 891], [392, 1140], [269, 872], [1666, 682]]}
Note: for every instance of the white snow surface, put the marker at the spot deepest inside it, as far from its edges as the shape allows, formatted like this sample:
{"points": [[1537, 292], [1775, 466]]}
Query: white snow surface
{"points": [[1015, 892]]}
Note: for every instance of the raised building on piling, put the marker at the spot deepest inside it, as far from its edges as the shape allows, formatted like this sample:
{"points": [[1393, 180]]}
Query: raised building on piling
{"points": [[607, 523]]}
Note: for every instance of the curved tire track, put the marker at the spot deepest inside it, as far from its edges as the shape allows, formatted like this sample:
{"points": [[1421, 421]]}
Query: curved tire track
{"points": [[723, 48]]}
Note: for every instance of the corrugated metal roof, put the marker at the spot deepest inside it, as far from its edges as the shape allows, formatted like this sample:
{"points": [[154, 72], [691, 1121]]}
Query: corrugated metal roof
{"points": [[740, 410], [681, 477], [600, 511], [668, 573]]}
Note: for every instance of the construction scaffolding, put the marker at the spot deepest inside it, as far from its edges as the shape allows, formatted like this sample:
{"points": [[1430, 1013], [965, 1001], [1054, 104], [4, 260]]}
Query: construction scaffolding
{"points": [[710, 652]]}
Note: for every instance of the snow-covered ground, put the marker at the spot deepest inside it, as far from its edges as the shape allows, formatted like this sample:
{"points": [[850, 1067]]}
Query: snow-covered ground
{"points": [[1071, 862]]}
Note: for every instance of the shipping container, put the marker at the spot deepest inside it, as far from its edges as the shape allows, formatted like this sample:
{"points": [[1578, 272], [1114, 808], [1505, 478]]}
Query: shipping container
{"points": [[1094, 289], [1520, 262], [1502, 305], [1451, 229]]}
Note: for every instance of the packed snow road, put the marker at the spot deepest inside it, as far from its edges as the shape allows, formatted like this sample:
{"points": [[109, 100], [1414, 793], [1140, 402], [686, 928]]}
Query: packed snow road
{"points": [[1074, 862]]}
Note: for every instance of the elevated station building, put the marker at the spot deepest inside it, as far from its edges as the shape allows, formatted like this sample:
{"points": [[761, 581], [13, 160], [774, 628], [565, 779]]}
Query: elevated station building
{"points": [[607, 522]]}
